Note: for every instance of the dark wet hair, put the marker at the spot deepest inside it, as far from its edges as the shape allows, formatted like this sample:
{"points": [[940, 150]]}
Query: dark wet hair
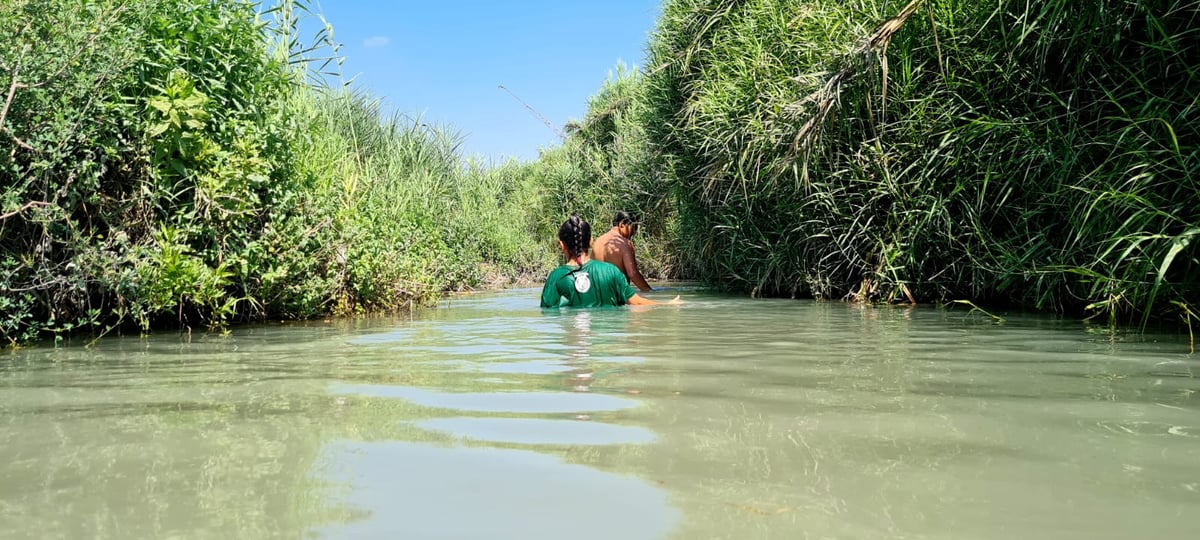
{"points": [[576, 234], [625, 217]]}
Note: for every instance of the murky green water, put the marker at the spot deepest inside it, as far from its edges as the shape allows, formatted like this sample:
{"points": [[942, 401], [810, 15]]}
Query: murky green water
{"points": [[722, 418]]}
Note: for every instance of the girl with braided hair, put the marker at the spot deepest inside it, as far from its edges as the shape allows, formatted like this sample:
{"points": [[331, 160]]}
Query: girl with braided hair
{"points": [[582, 281]]}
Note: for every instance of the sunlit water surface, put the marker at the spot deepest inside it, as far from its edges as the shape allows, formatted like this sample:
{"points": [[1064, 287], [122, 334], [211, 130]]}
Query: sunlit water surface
{"points": [[722, 418]]}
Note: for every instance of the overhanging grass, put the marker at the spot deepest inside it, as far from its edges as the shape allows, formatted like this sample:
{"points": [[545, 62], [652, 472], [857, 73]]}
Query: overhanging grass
{"points": [[1035, 154]]}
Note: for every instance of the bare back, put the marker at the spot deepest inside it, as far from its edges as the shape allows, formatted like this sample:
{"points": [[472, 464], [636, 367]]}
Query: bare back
{"points": [[614, 248]]}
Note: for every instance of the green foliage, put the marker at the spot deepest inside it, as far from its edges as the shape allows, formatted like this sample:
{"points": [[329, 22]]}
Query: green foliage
{"points": [[607, 165], [186, 163], [410, 219], [1038, 154], [173, 278], [183, 163]]}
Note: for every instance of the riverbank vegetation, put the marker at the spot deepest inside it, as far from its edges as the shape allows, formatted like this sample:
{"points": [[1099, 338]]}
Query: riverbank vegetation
{"points": [[188, 163], [184, 163], [1039, 155]]}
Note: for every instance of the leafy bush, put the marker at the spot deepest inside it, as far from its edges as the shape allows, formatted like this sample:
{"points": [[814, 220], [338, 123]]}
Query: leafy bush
{"points": [[184, 164]]}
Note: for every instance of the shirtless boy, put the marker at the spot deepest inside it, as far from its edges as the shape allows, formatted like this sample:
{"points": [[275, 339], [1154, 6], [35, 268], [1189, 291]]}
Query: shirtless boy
{"points": [[616, 247]]}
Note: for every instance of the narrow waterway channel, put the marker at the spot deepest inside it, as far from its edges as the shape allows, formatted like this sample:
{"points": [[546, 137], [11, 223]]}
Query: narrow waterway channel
{"points": [[725, 417]]}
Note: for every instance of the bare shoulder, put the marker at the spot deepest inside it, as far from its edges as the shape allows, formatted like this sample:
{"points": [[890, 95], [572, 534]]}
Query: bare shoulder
{"points": [[609, 242], [611, 235], [614, 240]]}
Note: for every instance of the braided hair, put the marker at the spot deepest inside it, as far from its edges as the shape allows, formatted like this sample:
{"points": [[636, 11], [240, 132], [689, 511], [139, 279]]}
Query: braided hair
{"points": [[576, 234]]}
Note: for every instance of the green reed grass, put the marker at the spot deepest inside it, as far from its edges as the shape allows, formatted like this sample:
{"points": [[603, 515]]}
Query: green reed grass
{"points": [[190, 163], [1034, 154]]}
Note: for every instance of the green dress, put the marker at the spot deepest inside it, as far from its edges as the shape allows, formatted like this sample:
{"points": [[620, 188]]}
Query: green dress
{"points": [[596, 283]]}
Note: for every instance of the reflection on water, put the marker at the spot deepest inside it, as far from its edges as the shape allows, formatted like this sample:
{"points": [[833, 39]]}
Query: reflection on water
{"points": [[721, 418], [538, 431], [513, 402], [456, 492]]}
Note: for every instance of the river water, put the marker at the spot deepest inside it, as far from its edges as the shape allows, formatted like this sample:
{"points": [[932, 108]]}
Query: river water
{"points": [[725, 417]]}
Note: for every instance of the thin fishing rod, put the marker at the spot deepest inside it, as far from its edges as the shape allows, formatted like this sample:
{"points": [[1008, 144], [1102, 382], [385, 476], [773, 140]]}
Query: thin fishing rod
{"points": [[535, 113]]}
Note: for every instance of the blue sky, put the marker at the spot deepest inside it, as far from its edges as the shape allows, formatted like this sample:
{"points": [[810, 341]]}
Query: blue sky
{"points": [[444, 60]]}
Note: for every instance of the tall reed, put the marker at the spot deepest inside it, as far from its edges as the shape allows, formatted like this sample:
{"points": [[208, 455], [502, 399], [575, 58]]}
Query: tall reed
{"points": [[1035, 154], [189, 163]]}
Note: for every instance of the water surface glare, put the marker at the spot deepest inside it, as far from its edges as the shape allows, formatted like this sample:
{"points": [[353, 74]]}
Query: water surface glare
{"points": [[725, 417]]}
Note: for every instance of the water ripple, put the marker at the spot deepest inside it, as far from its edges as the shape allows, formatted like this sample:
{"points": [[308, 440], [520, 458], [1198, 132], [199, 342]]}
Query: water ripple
{"points": [[510, 402], [539, 431]]}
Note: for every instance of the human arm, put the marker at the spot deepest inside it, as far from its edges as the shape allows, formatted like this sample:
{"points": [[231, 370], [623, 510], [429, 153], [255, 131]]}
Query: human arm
{"points": [[639, 300], [625, 290], [551, 297], [634, 299], [629, 258]]}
